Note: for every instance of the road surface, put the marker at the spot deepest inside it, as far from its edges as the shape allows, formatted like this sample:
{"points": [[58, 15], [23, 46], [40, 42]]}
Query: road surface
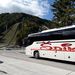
{"points": [[15, 62]]}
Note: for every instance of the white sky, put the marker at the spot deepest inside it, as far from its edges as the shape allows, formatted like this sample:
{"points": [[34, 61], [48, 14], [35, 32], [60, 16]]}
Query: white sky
{"points": [[35, 7]]}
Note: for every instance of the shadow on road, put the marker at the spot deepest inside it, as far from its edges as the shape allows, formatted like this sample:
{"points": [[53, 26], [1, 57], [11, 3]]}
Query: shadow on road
{"points": [[55, 60], [3, 72], [1, 62]]}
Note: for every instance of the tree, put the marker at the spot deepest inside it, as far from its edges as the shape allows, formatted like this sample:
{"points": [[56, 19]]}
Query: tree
{"points": [[64, 12]]}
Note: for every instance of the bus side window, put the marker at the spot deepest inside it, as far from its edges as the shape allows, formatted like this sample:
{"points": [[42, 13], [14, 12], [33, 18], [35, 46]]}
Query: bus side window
{"points": [[57, 35], [69, 33]]}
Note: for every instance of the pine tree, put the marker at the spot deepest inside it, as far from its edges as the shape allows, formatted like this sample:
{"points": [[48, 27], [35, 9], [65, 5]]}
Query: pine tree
{"points": [[64, 12]]}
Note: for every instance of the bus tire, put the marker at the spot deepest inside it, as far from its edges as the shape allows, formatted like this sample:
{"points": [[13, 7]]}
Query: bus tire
{"points": [[36, 54]]}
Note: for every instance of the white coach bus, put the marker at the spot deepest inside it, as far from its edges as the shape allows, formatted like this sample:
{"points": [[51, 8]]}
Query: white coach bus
{"points": [[58, 43]]}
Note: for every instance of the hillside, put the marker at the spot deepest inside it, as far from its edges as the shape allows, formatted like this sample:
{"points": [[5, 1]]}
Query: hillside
{"points": [[16, 26]]}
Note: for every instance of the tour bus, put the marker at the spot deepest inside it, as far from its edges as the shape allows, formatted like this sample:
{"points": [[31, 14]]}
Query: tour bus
{"points": [[57, 43]]}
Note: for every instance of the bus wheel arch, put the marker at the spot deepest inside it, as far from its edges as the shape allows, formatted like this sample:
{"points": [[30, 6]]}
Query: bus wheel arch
{"points": [[36, 54]]}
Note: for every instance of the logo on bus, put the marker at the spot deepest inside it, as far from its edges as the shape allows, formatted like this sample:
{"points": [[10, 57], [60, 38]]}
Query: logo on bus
{"points": [[62, 47]]}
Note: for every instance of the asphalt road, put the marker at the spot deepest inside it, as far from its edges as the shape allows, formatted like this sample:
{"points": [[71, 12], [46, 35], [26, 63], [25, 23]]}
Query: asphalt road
{"points": [[20, 54]]}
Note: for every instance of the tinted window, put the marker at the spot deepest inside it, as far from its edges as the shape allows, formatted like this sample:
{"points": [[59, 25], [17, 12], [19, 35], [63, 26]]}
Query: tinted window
{"points": [[69, 33], [56, 35]]}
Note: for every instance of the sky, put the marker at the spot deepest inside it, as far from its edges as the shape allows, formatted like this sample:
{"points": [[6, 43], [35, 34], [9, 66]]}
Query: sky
{"points": [[40, 8]]}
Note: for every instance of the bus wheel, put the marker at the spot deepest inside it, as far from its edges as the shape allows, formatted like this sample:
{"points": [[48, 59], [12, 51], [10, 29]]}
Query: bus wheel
{"points": [[36, 54]]}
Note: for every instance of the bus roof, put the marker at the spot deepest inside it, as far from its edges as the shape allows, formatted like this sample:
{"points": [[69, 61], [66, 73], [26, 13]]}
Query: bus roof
{"points": [[55, 29], [50, 30]]}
